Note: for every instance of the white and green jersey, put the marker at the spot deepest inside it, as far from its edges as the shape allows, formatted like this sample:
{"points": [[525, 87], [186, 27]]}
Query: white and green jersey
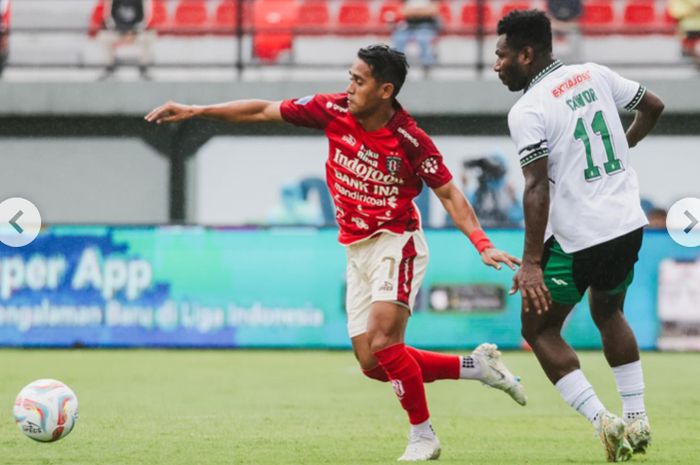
{"points": [[570, 115]]}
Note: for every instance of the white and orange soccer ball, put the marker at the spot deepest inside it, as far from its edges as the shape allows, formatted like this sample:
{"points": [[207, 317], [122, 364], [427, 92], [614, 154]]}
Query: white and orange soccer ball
{"points": [[46, 410]]}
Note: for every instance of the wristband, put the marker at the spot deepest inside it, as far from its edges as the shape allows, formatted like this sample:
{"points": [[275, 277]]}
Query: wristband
{"points": [[480, 241]]}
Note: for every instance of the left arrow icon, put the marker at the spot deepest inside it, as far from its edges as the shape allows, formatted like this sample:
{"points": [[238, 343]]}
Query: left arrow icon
{"points": [[13, 222]]}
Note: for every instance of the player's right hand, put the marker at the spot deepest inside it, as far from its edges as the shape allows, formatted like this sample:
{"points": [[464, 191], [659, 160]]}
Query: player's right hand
{"points": [[170, 112], [529, 280]]}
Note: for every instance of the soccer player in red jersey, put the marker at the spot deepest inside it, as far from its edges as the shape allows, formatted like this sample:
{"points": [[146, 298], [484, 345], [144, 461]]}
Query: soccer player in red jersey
{"points": [[378, 160]]}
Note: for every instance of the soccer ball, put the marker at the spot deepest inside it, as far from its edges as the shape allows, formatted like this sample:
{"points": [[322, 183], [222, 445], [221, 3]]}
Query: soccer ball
{"points": [[46, 410]]}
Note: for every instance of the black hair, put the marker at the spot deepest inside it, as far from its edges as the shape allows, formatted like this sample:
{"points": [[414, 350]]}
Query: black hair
{"points": [[524, 28], [386, 64]]}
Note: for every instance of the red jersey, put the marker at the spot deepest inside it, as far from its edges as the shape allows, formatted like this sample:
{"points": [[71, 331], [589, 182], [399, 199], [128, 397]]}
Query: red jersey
{"points": [[373, 176]]}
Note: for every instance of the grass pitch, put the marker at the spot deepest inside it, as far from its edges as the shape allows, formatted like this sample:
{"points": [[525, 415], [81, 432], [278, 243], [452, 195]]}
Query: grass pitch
{"points": [[291, 407]]}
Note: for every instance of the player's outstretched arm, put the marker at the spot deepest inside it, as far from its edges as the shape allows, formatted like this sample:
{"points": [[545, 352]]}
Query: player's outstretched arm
{"points": [[238, 111], [647, 113], [465, 219], [529, 279]]}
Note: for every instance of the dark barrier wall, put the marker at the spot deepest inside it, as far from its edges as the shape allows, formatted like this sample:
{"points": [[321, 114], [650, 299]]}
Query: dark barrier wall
{"points": [[201, 287]]}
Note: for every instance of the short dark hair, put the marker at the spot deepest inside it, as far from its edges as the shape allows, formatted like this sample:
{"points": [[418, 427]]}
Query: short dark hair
{"points": [[387, 64], [525, 28]]}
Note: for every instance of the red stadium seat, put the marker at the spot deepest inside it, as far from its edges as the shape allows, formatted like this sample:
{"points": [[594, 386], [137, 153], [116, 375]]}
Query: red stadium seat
{"points": [[226, 16], [598, 13], [190, 17], [390, 12], [445, 13], [512, 6], [159, 15], [640, 13], [313, 17], [354, 17], [97, 18], [470, 15], [273, 21]]}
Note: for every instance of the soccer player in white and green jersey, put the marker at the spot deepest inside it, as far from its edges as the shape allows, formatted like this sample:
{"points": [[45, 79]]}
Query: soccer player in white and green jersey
{"points": [[583, 220]]}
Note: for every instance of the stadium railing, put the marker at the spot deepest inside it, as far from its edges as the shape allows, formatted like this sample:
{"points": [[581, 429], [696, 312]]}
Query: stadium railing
{"points": [[241, 34]]}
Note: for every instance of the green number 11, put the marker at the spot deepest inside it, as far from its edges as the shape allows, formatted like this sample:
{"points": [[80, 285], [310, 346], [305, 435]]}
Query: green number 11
{"points": [[613, 165]]}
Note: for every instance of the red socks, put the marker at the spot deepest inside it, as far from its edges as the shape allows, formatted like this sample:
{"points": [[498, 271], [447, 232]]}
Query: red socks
{"points": [[433, 366], [406, 379]]}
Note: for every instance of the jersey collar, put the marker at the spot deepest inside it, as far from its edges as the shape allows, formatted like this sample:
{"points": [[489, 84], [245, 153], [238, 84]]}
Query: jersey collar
{"points": [[556, 64]]}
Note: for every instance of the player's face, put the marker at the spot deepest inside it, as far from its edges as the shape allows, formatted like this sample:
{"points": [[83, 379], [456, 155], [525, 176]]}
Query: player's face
{"points": [[365, 93], [508, 66]]}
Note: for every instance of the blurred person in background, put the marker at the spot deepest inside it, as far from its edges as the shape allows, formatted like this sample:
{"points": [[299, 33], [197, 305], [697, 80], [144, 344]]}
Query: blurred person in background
{"points": [[293, 209], [420, 22], [125, 24], [377, 163], [565, 27], [657, 218], [495, 201], [687, 12], [4, 33], [583, 216]]}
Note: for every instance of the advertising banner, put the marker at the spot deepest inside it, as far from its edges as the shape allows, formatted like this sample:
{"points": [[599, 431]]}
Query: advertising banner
{"points": [[204, 287]]}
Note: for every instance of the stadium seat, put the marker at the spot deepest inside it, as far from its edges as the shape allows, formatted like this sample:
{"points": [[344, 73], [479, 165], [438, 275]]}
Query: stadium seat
{"points": [[226, 16], [354, 17], [446, 13], [512, 6], [273, 21], [470, 15], [640, 13], [598, 16], [97, 18], [313, 17], [159, 15], [190, 17], [390, 12]]}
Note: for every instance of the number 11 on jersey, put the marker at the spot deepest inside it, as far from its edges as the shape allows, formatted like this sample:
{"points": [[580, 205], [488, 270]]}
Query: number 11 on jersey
{"points": [[599, 127]]}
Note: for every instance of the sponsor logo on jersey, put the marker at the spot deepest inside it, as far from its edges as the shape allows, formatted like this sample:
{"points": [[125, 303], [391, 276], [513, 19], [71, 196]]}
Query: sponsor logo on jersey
{"points": [[364, 172], [559, 282], [367, 156], [429, 165], [408, 137], [393, 165], [336, 107], [359, 222], [570, 83], [348, 139], [304, 100], [398, 388]]}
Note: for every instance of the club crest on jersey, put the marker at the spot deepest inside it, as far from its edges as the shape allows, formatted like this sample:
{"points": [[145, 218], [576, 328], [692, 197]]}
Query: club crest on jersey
{"points": [[393, 165], [348, 139]]}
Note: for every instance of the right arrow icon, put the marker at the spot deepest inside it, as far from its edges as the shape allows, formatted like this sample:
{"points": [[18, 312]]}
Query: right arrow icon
{"points": [[693, 222]]}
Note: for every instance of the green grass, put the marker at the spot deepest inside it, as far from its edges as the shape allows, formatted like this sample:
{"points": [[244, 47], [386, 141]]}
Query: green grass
{"points": [[263, 407]]}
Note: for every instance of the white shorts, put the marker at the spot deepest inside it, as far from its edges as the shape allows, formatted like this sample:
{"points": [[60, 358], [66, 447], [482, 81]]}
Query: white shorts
{"points": [[384, 268]]}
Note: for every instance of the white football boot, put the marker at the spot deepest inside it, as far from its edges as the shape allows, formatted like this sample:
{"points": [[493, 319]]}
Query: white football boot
{"points": [[611, 430], [495, 373], [421, 447], [638, 433]]}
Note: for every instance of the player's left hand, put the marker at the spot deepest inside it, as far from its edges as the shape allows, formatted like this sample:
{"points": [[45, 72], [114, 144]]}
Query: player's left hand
{"points": [[529, 280], [494, 257]]}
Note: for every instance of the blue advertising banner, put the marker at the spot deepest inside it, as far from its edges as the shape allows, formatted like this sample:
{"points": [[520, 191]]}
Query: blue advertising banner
{"points": [[204, 287]]}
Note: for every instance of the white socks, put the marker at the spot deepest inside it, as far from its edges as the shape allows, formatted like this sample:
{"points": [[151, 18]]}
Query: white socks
{"points": [[578, 392], [469, 367], [630, 385], [424, 429]]}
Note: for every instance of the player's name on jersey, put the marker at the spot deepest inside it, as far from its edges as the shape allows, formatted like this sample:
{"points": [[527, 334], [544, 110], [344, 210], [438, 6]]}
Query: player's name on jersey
{"points": [[582, 99]]}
